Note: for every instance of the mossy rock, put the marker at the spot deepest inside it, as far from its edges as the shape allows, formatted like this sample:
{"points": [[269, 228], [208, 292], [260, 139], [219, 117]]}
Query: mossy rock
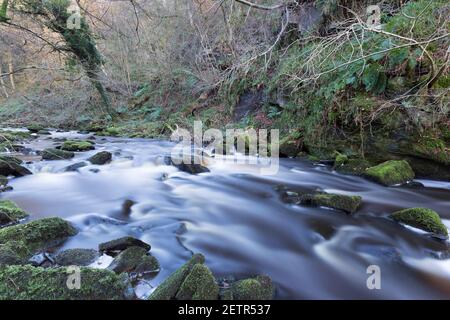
{"points": [[13, 253], [422, 218], [391, 172], [11, 166], [101, 158], [352, 166], [128, 260], [76, 145], [147, 264], [169, 288], [38, 234], [122, 244], [259, 288], [10, 212], [340, 160], [56, 154], [433, 149], [36, 283], [348, 204], [289, 147], [34, 128], [76, 257], [199, 285]]}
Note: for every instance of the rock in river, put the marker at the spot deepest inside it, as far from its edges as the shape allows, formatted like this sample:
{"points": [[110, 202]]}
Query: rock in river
{"points": [[422, 218], [76, 257], [36, 283], [122, 244], [349, 204], [77, 145], [10, 212], [100, 158], [56, 154], [10, 166], [39, 234], [193, 281], [391, 172]]}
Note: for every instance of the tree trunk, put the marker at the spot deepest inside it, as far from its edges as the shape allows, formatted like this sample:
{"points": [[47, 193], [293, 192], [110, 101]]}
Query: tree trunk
{"points": [[2, 83], [11, 72]]}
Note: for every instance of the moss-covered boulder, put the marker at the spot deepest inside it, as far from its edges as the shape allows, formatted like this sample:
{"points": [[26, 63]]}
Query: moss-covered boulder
{"points": [[169, 288], [340, 160], [353, 166], [289, 147], [198, 285], [56, 154], [39, 234], [349, 204], [121, 244], [77, 145], [13, 253], [36, 283], [76, 257], [259, 288], [422, 218], [128, 260], [11, 166], [391, 172], [35, 128], [148, 264], [10, 212], [101, 158]]}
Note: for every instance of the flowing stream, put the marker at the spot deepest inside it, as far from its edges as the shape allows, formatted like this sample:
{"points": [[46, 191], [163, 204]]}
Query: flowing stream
{"points": [[237, 219]]}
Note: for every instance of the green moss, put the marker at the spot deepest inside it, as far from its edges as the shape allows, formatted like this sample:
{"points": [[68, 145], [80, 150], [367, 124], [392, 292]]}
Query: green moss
{"points": [[13, 253], [259, 288], [127, 260], [422, 218], [432, 148], [147, 264], [169, 288], [75, 145], [76, 257], [56, 154], [10, 212], [199, 285], [349, 204], [340, 160], [39, 234], [34, 283], [391, 172]]}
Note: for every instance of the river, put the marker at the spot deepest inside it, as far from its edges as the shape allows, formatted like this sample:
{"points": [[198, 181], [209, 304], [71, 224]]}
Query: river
{"points": [[236, 218]]}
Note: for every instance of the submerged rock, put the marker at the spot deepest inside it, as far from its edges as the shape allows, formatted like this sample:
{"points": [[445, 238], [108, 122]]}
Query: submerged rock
{"points": [[391, 172], [10, 212], [192, 168], [11, 166], [75, 145], [39, 234], [56, 154], [122, 244], [100, 158], [422, 218], [170, 287], [36, 283], [76, 257], [349, 204], [259, 288], [75, 166]]}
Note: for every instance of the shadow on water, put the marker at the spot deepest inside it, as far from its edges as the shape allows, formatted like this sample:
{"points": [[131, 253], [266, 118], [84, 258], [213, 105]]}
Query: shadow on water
{"points": [[237, 220]]}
